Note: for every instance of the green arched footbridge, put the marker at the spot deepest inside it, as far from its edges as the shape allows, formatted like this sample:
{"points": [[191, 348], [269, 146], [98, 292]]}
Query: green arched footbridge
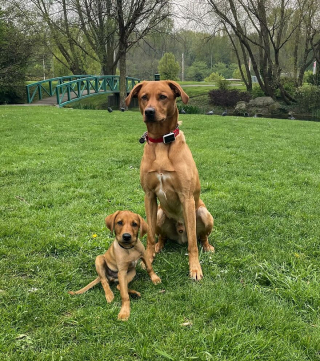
{"points": [[66, 89]]}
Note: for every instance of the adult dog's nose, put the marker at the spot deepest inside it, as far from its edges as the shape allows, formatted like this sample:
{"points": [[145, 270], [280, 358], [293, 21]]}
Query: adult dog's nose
{"points": [[126, 237], [149, 113]]}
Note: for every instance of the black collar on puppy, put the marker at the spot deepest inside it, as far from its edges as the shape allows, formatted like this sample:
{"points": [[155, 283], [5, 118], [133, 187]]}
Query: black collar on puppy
{"points": [[124, 247]]}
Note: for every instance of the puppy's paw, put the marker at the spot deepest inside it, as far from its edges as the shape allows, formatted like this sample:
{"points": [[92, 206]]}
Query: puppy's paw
{"points": [[131, 292], [155, 279], [208, 248], [124, 315], [109, 296], [158, 247], [135, 293]]}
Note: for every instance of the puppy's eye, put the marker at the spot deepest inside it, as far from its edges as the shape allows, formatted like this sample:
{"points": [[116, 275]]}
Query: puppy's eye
{"points": [[162, 97], [144, 97], [134, 224], [120, 223]]}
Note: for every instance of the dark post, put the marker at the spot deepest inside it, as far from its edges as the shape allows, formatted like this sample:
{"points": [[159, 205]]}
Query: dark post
{"points": [[156, 77]]}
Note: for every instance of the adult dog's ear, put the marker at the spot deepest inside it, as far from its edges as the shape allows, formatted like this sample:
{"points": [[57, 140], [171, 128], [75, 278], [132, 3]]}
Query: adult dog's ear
{"points": [[143, 227], [134, 92], [110, 220], [179, 92]]}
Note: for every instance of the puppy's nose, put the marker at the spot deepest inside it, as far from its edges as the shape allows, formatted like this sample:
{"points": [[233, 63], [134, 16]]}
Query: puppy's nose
{"points": [[149, 113], [126, 237]]}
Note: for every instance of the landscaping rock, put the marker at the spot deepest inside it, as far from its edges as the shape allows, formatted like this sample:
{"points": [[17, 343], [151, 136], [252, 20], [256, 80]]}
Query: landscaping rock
{"points": [[264, 106], [261, 102], [241, 107]]}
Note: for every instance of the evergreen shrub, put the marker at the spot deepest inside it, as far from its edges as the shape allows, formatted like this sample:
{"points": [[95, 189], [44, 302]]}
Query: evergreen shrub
{"points": [[189, 109], [227, 97], [308, 97]]}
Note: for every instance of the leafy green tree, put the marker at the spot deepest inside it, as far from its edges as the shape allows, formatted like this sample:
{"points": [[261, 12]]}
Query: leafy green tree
{"points": [[15, 49], [225, 70], [214, 77], [168, 67], [237, 73], [198, 71], [263, 29]]}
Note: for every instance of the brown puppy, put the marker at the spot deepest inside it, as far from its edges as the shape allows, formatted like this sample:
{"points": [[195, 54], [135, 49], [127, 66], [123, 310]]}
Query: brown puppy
{"points": [[118, 264], [168, 172]]}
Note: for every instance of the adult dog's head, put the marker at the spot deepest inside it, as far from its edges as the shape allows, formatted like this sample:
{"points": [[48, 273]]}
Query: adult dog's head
{"points": [[157, 99]]}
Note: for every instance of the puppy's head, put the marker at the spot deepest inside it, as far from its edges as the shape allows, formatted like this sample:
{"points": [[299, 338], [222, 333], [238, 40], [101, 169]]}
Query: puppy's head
{"points": [[157, 99], [126, 226]]}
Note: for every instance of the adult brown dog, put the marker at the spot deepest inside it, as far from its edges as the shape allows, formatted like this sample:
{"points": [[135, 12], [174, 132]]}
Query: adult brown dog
{"points": [[168, 172], [118, 264]]}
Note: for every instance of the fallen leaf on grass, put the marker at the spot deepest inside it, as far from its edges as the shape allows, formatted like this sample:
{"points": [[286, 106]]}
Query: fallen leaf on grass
{"points": [[33, 289], [187, 323]]}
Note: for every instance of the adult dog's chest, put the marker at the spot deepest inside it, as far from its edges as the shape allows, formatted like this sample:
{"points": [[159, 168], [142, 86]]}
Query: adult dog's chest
{"points": [[161, 175]]}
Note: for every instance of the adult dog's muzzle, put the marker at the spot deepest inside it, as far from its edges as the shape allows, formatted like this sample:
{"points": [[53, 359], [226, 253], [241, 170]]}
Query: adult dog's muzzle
{"points": [[150, 114]]}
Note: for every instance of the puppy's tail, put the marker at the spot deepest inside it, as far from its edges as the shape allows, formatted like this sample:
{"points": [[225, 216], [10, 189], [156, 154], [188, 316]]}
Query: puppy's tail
{"points": [[86, 288]]}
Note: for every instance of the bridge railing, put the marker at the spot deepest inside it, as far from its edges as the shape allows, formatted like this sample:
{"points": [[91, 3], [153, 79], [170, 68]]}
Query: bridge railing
{"points": [[91, 85], [48, 87]]}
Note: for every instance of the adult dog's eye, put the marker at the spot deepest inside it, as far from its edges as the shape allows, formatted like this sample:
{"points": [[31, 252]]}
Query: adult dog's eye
{"points": [[134, 224], [120, 223], [162, 97], [144, 97]]}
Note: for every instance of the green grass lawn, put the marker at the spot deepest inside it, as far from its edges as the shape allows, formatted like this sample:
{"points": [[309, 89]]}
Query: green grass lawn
{"points": [[64, 170]]}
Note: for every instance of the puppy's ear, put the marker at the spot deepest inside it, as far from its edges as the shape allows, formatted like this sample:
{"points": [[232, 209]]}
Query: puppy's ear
{"points": [[110, 220], [143, 227], [179, 92], [134, 92]]}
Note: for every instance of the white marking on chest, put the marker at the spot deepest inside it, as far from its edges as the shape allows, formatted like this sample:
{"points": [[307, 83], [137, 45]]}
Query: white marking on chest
{"points": [[133, 264], [162, 179]]}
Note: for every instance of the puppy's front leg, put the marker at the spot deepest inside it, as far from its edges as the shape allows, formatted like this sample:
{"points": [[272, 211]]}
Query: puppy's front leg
{"points": [[150, 201], [125, 307], [101, 270]]}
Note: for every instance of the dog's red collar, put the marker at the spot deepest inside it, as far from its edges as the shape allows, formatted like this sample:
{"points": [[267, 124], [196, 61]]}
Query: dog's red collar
{"points": [[166, 139]]}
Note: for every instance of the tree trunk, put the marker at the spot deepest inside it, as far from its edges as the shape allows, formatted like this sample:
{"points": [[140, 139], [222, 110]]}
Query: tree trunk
{"points": [[246, 77], [123, 74], [108, 64]]}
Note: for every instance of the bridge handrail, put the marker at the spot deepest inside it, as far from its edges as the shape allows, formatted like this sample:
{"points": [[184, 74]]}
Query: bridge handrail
{"points": [[39, 88], [91, 85]]}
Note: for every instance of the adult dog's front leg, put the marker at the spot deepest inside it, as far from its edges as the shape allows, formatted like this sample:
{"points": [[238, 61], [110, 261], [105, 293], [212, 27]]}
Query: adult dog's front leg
{"points": [[154, 277], [150, 201], [190, 224]]}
